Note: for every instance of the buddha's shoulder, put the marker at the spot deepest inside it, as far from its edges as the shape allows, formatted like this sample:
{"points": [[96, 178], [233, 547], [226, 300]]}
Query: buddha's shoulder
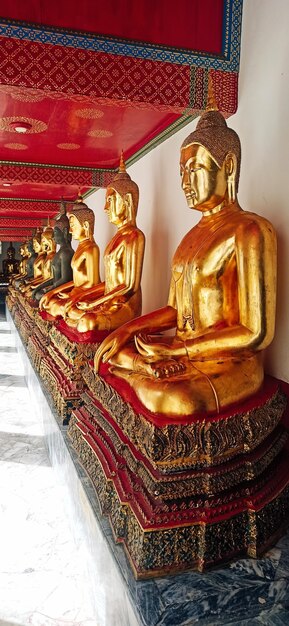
{"points": [[87, 246], [253, 222]]}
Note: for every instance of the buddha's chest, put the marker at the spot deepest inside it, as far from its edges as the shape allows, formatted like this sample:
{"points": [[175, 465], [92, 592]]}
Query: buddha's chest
{"points": [[115, 259], [203, 258], [205, 277], [47, 265], [79, 263]]}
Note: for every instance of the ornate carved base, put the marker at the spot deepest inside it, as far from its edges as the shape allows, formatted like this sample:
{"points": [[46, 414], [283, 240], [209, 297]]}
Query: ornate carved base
{"points": [[57, 374], [24, 317], [217, 501], [37, 344], [61, 367], [201, 440]]}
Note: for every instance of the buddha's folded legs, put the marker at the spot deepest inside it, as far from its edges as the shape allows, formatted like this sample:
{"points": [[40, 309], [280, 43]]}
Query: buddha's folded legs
{"points": [[200, 386], [106, 316]]}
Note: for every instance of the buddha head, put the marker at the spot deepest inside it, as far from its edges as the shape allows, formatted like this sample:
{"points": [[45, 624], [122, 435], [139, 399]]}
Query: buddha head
{"points": [[22, 249], [122, 197], [37, 241], [61, 228], [10, 251], [210, 163], [47, 239], [81, 220], [29, 247]]}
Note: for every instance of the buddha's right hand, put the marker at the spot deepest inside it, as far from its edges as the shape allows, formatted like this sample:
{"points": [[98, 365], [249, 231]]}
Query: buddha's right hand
{"points": [[44, 301], [167, 368], [111, 345]]}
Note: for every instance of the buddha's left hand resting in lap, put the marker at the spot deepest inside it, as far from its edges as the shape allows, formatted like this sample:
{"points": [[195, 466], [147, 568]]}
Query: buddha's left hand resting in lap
{"points": [[85, 262], [222, 294], [118, 298]]}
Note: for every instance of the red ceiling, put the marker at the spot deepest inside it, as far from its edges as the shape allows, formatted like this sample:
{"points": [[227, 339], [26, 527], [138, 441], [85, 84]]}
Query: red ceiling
{"points": [[181, 25], [85, 104]]}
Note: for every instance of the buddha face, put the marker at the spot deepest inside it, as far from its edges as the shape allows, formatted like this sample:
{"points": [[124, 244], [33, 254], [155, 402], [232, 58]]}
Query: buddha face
{"points": [[115, 207], [203, 181], [36, 245], [58, 235], [76, 228], [46, 242]]}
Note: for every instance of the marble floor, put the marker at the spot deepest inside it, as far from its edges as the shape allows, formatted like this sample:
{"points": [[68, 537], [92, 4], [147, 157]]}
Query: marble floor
{"points": [[57, 568], [39, 564]]}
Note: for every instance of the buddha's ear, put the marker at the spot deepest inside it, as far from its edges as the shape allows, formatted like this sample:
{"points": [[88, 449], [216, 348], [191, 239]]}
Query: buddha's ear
{"points": [[86, 226], [129, 206], [231, 170], [231, 163]]}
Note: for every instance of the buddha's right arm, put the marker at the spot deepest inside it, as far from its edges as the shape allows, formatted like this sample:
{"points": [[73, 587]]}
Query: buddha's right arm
{"points": [[88, 297], [55, 292], [159, 320]]}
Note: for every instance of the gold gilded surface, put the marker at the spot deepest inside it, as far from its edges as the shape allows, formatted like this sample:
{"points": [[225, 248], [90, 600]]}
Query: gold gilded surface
{"points": [[22, 265], [222, 294], [85, 263], [42, 264], [28, 260], [117, 299]]}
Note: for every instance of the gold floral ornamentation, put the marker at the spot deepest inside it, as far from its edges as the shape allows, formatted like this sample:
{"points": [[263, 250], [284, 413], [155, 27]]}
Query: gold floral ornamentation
{"points": [[15, 146], [68, 146], [100, 134], [89, 113]]}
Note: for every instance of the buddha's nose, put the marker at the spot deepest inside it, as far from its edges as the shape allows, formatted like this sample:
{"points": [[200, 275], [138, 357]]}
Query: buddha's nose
{"points": [[186, 183]]}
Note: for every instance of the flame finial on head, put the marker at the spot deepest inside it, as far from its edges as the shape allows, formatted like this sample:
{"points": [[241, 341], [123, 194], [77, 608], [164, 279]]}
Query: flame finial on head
{"points": [[79, 199], [122, 168], [62, 208], [211, 100]]}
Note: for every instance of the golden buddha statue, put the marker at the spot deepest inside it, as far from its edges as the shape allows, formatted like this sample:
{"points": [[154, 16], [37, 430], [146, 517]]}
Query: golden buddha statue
{"points": [[30, 256], [43, 269], [61, 262], [38, 260], [23, 254], [222, 294], [117, 299], [85, 263], [22, 265]]}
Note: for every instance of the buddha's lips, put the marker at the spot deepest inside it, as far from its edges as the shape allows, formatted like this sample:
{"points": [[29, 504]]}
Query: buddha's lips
{"points": [[190, 196]]}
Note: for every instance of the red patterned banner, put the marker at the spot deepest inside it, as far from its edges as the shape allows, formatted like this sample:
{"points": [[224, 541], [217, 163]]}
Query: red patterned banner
{"points": [[31, 207], [96, 74], [24, 233], [28, 222], [54, 175]]}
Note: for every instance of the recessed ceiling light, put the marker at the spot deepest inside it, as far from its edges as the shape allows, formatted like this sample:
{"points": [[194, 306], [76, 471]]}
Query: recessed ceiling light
{"points": [[21, 127], [7, 184]]}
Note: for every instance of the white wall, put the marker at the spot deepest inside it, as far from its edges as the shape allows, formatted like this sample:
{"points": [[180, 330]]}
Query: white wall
{"points": [[262, 122]]}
